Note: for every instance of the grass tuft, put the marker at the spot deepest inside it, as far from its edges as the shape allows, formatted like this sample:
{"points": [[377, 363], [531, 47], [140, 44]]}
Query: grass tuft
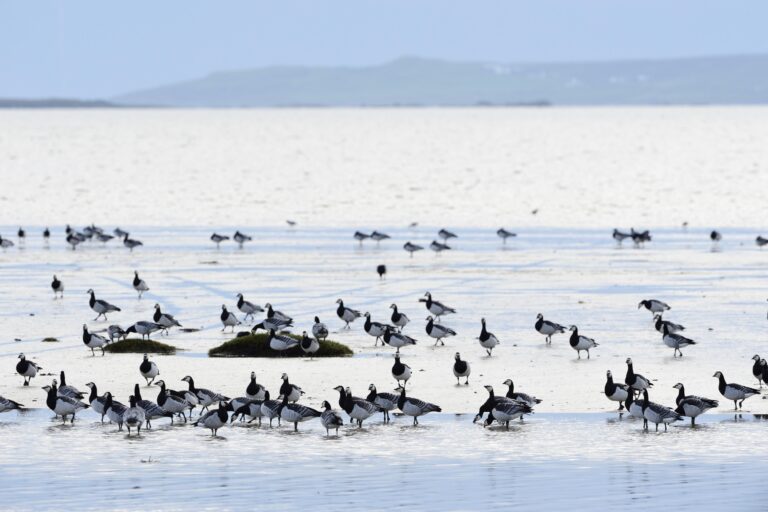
{"points": [[139, 346], [256, 345]]}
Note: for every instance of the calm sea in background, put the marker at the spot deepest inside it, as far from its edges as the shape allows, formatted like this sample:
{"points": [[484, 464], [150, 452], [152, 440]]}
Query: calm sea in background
{"points": [[171, 177]]}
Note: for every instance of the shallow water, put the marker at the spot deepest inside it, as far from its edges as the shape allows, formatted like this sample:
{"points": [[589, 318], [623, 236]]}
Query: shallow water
{"points": [[189, 176]]}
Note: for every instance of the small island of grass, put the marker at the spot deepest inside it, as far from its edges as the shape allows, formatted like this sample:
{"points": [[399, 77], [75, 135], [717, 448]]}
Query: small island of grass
{"points": [[256, 345], [138, 346]]}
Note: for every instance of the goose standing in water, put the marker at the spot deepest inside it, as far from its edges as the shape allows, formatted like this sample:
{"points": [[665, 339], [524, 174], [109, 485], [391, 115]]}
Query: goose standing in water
{"points": [[635, 408], [488, 340], [378, 236], [9, 405], [692, 405], [657, 413], [217, 239], [446, 235], [579, 343], [57, 287], [96, 402], [148, 370], [504, 234], [130, 243], [757, 369], [415, 407], [150, 408], [398, 319], [381, 270], [139, 284], [346, 314], [547, 328], [27, 369], [360, 236], [385, 401], [735, 392], [296, 413], [171, 403], [412, 248], [62, 405], [114, 410], [620, 236], [616, 392], [205, 396], [134, 416], [70, 391], [213, 420], [269, 409], [438, 247], [635, 381], [241, 238], [292, 391], [358, 409], [520, 397], [461, 369], [101, 307], [319, 330], [330, 419]]}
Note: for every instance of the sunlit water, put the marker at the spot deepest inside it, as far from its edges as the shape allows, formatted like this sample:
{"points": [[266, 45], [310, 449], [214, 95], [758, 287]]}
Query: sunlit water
{"points": [[163, 175]]}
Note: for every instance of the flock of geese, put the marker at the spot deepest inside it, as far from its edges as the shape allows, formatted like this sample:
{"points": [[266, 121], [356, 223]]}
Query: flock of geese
{"points": [[257, 404]]}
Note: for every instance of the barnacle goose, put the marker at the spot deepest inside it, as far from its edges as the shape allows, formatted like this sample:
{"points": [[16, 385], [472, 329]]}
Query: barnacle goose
{"points": [[757, 369], [280, 342], [5, 243], [398, 319], [249, 308], [520, 397], [171, 403], [375, 329], [148, 370], [47, 235], [296, 413], [547, 328], [309, 345], [9, 405], [115, 331], [103, 237], [675, 341], [616, 392], [620, 236], [134, 416], [27, 369], [330, 419], [385, 401], [504, 234], [114, 410], [93, 341], [488, 340], [150, 408], [635, 381], [101, 307], [579, 343], [269, 408], [735, 392], [241, 238], [401, 371], [228, 319], [639, 237], [346, 314], [251, 408], [319, 330], [217, 239], [120, 233], [164, 320], [438, 247], [435, 307], [130, 243], [438, 331], [274, 314], [692, 405], [657, 413], [489, 403], [359, 236], [213, 420], [139, 284], [143, 328], [378, 236], [660, 323], [58, 287], [760, 241], [634, 408], [461, 369], [654, 306], [412, 248], [254, 390], [397, 339], [358, 409], [272, 324], [205, 396], [381, 270], [446, 235], [504, 412], [62, 405], [70, 391], [291, 391], [415, 407]]}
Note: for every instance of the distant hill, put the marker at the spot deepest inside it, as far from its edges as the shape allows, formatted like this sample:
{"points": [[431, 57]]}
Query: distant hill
{"points": [[411, 81], [54, 103]]}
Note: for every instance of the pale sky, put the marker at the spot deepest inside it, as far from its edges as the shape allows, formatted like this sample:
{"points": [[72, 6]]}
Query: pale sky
{"points": [[100, 48]]}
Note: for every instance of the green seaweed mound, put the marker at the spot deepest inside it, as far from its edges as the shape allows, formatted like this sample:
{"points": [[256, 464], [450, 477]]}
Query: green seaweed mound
{"points": [[138, 346], [256, 345]]}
